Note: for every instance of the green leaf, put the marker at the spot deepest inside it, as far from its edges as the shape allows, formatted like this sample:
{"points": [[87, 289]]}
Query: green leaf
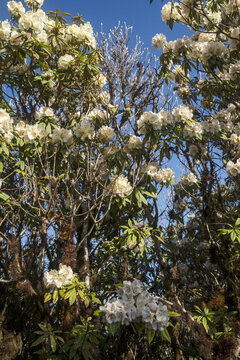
{"points": [[96, 300], [198, 309], [173, 314], [48, 128], [150, 335], [170, 23], [60, 339], [98, 312], [86, 354], [167, 154], [86, 302], [61, 292], [205, 324], [130, 223], [152, 194], [142, 198], [165, 335], [237, 223], [114, 327], [1, 166], [233, 235], [43, 328], [139, 326], [72, 297], [21, 164], [39, 332], [81, 294], [39, 340], [47, 297], [4, 196], [65, 14], [53, 343], [5, 148], [55, 296]]}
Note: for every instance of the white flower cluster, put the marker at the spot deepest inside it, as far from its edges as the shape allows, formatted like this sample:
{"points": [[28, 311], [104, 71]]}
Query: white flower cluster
{"points": [[5, 30], [15, 8], [44, 111], [121, 186], [186, 7], [235, 139], [34, 2], [179, 242], [80, 33], [17, 39], [87, 34], [234, 39], [156, 120], [224, 118], [178, 74], [37, 21], [98, 113], [109, 151], [212, 48], [234, 70], [203, 48], [193, 129], [158, 174], [35, 24], [136, 304], [164, 176], [57, 278], [106, 134], [149, 118], [30, 132], [233, 169], [181, 113], [5, 125], [134, 142], [233, 5], [65, 61], [177, 45], [208, 44], [159, 41], [189, 179], [186, 180], [169, 12], [84, 129], [62, 135], [100, 80], [212, 17], [211, 125]]}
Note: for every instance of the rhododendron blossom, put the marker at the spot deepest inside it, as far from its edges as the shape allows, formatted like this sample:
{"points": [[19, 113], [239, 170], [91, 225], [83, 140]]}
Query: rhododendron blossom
{"points": [[65, 61], [57, 278], [121, 186], [136, 304]]}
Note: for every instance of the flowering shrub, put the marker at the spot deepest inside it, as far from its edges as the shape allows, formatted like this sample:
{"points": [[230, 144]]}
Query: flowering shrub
{"points": [[90, 131], [204, 68], [56, 279], [121, 186], [136, 304]]}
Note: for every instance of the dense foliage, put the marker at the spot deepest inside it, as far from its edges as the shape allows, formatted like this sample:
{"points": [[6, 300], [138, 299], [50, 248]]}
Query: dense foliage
{"points": [[119, 198]]}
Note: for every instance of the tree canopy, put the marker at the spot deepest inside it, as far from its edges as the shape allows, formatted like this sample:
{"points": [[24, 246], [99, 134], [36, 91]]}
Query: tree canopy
{"points": [[119, 189]]}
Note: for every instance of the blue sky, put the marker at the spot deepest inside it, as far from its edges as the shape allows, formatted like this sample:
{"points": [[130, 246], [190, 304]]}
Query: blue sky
{"points": [[145, 18]]}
